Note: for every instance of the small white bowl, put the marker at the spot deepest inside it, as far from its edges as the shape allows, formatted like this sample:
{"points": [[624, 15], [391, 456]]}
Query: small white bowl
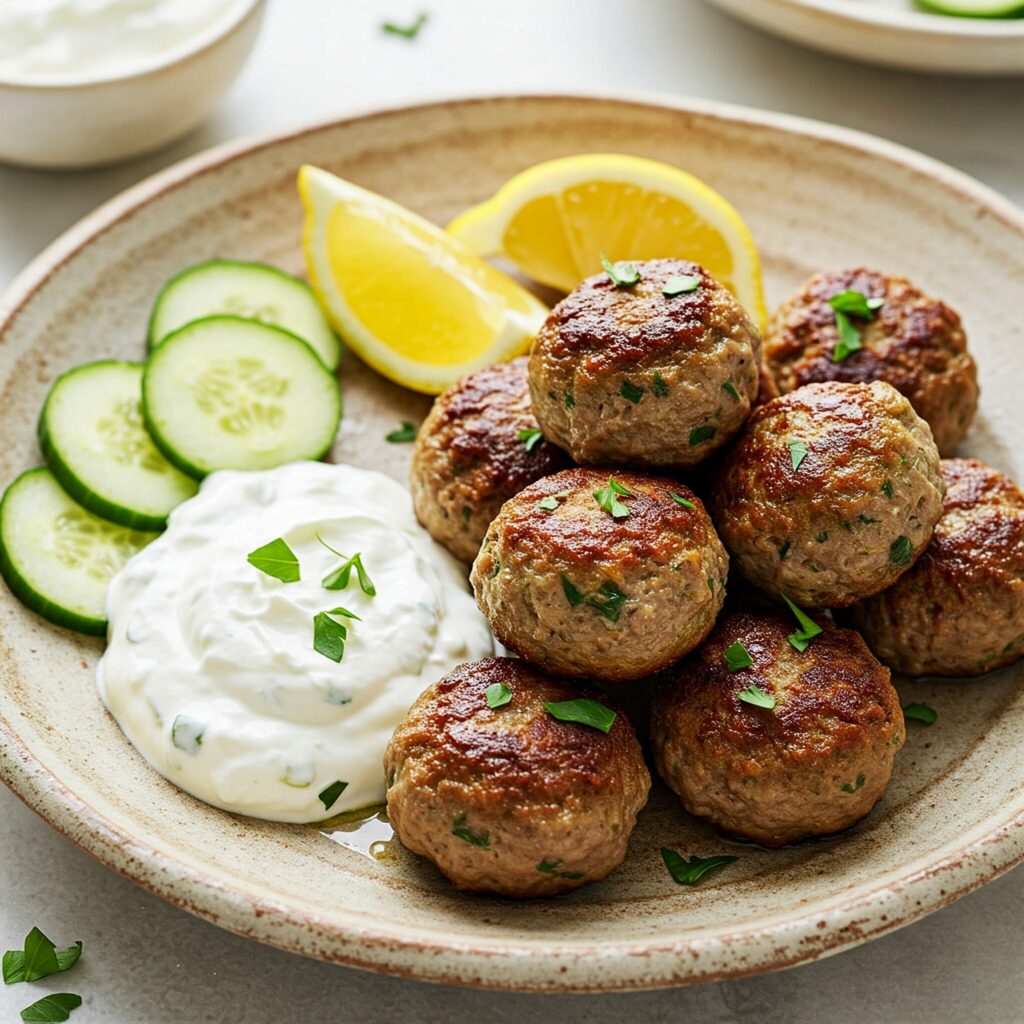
{"points": [[101, 119]]}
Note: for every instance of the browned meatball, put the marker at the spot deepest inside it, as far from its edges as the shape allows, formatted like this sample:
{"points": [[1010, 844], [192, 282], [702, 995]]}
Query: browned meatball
{"points": [[830, 494], [813, 764], [611, 590], [475, 450], [960, 610], [510, 799], [632, 375], [914, 342]]}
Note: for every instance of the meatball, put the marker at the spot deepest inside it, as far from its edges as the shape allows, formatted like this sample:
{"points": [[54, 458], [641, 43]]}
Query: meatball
{"points": [[914, 342], [830, 494], [479, 446], [510, 799], [607, 577], [960, 610], [634, 375], [812, 764]]}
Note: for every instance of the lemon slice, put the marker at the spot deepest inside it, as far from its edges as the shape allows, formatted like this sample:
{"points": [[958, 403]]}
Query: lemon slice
{"points": [[416, 304], [554, 220]]}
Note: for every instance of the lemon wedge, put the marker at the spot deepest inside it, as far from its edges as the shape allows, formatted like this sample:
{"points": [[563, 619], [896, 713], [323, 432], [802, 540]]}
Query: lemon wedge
{"points": [[555, 219], [416, 304]]}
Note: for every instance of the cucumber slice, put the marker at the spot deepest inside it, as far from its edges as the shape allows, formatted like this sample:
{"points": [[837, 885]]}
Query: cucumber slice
{"points": [[975, 8], [96, 445], [228, 393], [254, 291], [58, 557]]}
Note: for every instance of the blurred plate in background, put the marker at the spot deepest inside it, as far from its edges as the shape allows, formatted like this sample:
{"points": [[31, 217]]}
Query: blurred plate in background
{"points": [[897, 33]]}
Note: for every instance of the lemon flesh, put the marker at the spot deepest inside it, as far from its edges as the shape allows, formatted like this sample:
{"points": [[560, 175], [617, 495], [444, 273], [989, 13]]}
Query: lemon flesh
{"points": [[416, 304], [554, 220]]}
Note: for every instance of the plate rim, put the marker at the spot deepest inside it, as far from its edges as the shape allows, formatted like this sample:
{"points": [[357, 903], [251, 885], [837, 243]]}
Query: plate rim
{"points": [[805, 935], [917, 22]]}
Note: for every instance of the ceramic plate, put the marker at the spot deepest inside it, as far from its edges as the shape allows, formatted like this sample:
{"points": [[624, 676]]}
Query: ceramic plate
{"points": [[815, 197], [893, 32]]}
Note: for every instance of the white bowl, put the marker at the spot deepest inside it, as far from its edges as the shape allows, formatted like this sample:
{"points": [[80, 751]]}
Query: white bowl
{"points": [[98, 120], [891, 32]]}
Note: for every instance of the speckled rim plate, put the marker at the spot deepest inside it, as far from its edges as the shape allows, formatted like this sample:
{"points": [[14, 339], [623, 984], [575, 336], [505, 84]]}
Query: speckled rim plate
{"points": [[893, 33], [815, 197]]}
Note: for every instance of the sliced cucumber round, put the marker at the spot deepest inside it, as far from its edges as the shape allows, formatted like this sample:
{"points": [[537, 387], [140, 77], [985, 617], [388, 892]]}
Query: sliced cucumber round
{"points": [[96, 444], [975, 8], [255, 291], [58, 557], [229, 393]]}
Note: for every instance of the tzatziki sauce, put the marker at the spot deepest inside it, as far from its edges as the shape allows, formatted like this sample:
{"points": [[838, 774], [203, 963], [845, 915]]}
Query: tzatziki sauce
{"points": [[71, 40], [211, 669]]}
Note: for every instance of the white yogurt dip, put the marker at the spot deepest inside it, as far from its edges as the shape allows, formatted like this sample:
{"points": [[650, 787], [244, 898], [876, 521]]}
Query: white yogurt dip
{"points": [[210, 668], [70, 40]]}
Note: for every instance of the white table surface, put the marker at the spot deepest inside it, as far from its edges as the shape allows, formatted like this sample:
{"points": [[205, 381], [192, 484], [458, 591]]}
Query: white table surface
{"points": [[148, 963]]}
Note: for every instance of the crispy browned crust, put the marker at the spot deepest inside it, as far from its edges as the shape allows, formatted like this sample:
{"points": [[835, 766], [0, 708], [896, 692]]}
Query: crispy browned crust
{"points": [[469, 457], [960, 610], [517, 753], [510, 799], [868, 456], [580, 532], [677, 353], [915, 342], [836, 712], [664, 557]]}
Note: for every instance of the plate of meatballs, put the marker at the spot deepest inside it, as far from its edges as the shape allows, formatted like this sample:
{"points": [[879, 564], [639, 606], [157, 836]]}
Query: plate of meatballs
{"points": [[756, 584]]}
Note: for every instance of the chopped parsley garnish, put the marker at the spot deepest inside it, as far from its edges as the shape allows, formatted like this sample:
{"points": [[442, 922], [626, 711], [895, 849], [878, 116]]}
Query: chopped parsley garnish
{"points": [[680, 500], [623, 275], [584, 711], [797, 452], [822, 537], [631, 392], [467, 513], [549, 504], [849, 339], [852, 787], [410, 31], [329, 794], [901, 551], [920, 713], [39, 959], [753, 694], [329, 636], [608, 601], [847, 304], [737, 657], [886, 488], [572, 594], [187, 734], [730, 389], [531, 438], [659, 387], [570, 399], [276, 559], [462, 831], [52, 1009], [690, 872], [405, 433], [808, 630], [701, 434], [553, 867], [498, 695], [680, 283], [856, 303], [784, 550], [608, 499], [338, 579]]}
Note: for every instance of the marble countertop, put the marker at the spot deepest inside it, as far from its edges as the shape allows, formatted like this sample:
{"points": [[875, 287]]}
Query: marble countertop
{"points": [[148, 963]]}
